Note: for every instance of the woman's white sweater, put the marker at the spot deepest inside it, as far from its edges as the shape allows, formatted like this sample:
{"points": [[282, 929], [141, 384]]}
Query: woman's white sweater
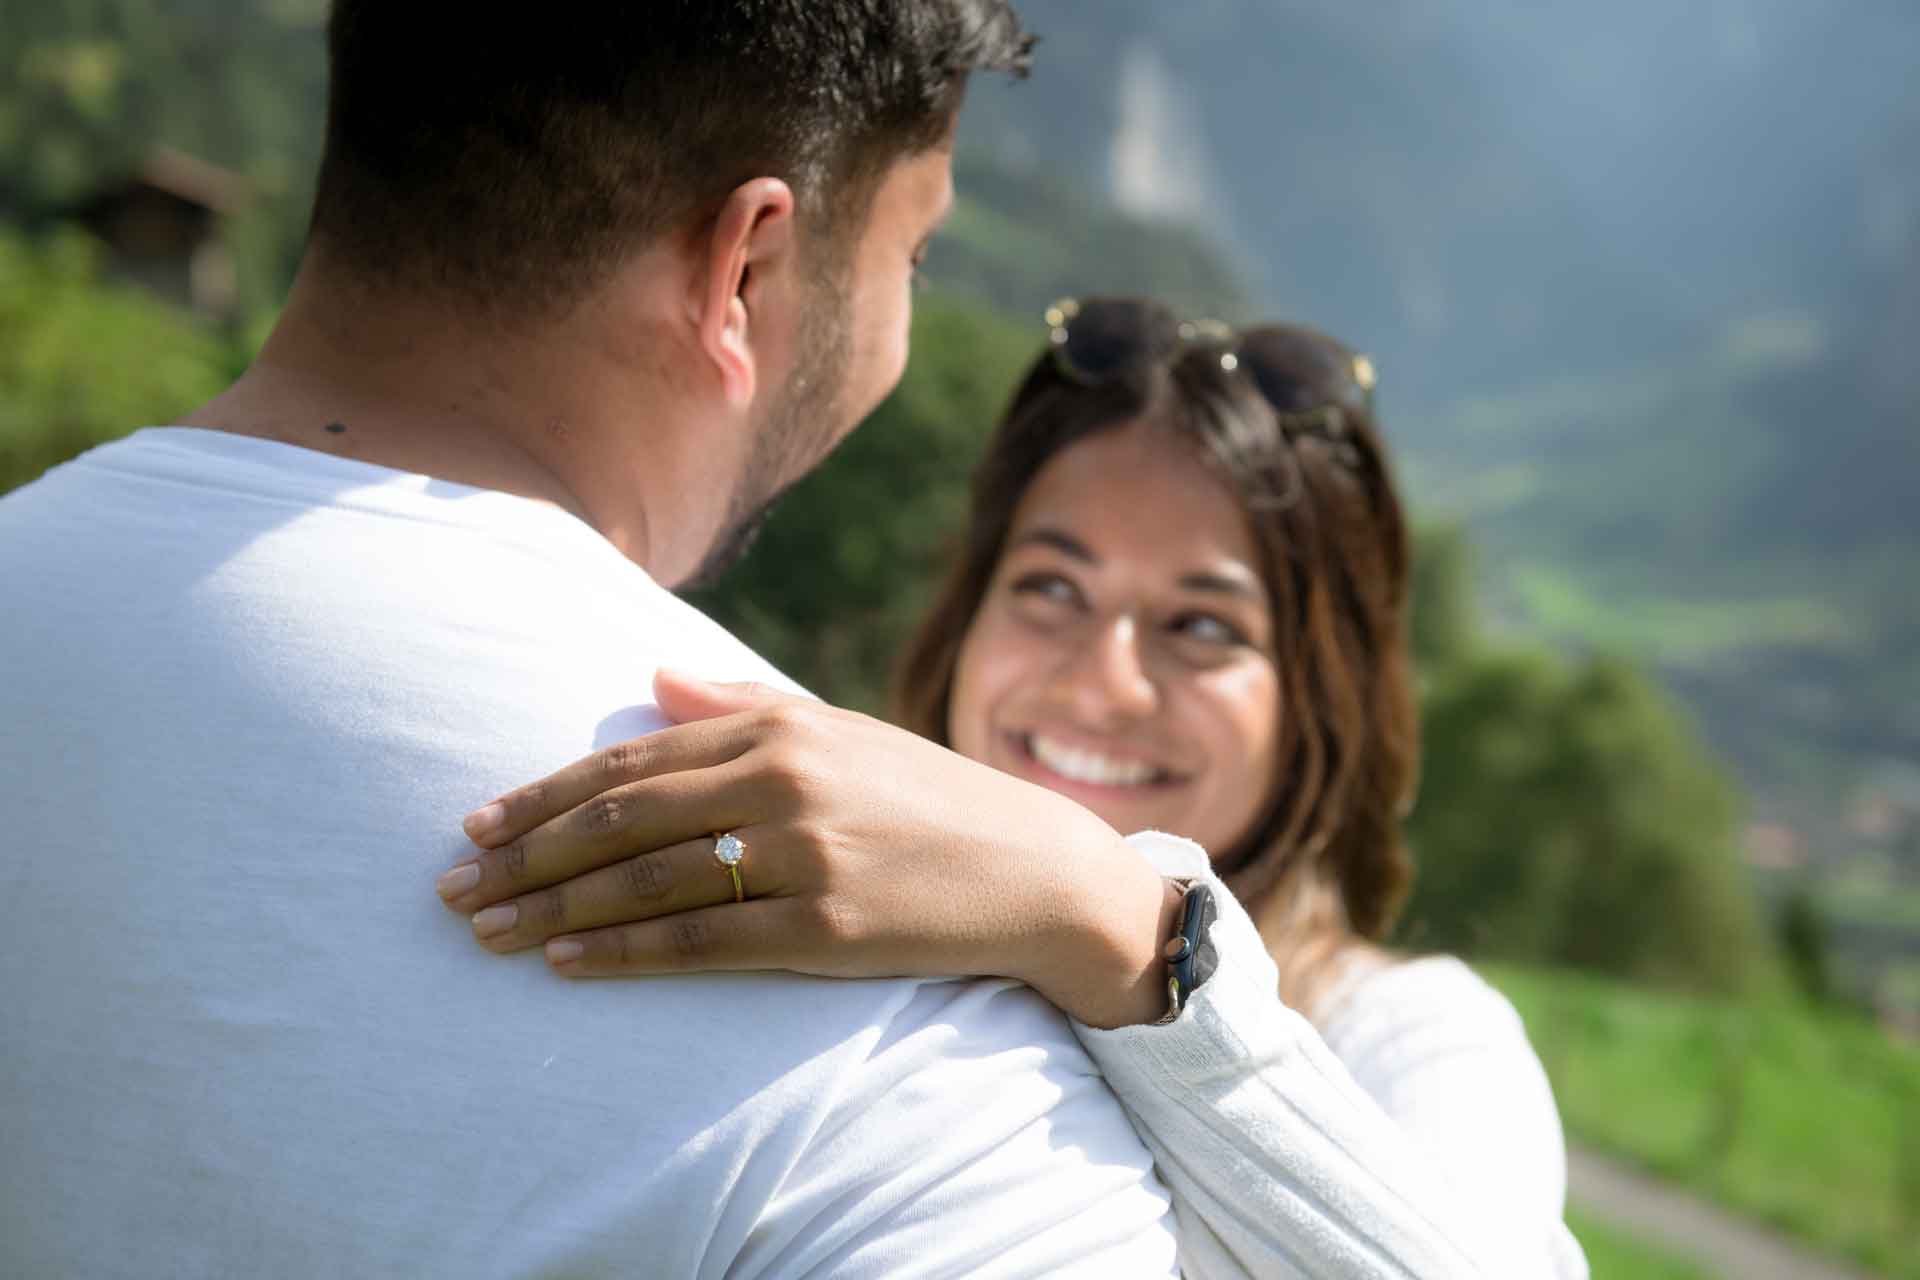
{"points": [[1414, 1136]]}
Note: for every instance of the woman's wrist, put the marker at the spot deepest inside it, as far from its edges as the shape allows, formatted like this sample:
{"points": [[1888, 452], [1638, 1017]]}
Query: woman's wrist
{"points": [[1106, 967]]}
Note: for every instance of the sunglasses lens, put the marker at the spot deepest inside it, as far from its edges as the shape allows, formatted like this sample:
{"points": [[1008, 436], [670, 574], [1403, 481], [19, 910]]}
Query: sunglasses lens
{"points": [[1297, 372], [1107, 339]]}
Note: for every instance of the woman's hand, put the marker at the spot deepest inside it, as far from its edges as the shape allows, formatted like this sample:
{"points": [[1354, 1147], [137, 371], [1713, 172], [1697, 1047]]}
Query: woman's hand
{"points": [[870, 852]]}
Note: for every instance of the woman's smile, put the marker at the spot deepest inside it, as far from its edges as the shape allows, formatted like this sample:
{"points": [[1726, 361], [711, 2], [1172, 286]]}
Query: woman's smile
{"points": [[1109, 767]]}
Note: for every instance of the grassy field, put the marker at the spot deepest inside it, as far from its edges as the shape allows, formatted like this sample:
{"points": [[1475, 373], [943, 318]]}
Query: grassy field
{"points": [[1615, 1256], [1803, 1119]]}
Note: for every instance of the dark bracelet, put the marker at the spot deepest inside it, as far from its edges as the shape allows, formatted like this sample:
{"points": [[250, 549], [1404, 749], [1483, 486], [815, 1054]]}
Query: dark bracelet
{"points": [[1190, 954]]}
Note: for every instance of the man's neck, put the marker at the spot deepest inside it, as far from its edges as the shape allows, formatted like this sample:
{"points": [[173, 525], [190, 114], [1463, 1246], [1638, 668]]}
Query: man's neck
{"points": [[415, 386]]}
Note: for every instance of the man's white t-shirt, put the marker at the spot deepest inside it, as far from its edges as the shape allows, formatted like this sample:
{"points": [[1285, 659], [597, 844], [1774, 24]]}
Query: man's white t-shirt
{"points": [[246, 693]]}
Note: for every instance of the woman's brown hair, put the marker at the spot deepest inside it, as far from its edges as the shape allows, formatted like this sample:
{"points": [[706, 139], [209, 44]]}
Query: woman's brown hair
{"points": [[1325, 864]]}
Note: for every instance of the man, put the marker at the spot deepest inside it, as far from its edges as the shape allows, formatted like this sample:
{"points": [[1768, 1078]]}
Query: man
{"points": [[587, 286]]}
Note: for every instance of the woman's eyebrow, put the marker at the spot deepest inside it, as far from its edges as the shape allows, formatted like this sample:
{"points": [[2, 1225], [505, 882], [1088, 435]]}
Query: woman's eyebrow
{"points": [[1232, 584], [1060, 540]]}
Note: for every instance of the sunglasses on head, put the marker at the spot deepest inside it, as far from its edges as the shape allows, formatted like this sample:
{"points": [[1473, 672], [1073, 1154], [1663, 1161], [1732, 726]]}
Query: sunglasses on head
{"points": [[1310, 383]]}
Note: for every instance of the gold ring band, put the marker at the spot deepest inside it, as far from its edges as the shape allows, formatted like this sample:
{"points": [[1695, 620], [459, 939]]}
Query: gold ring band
{"points": [[728, 851]]}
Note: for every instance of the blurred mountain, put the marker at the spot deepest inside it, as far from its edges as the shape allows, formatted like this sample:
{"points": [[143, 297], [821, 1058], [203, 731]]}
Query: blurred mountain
{"points": [[1643, 281], [1504, 185]]}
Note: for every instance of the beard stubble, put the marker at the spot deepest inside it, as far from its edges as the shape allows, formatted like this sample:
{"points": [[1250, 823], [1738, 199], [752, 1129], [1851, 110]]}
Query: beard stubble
{"points": [[799, 429]]}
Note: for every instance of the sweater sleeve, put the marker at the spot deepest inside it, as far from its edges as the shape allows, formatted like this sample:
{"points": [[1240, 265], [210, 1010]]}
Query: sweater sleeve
{"points": [[1280, 1163]]}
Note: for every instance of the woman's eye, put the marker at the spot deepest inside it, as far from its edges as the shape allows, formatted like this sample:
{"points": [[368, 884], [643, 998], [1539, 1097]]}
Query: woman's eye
{"points": [[1046, 589], [1206, 629]]}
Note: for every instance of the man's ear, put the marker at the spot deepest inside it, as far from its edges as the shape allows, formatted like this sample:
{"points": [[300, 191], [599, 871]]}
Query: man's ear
{"points": [[734, 296]]}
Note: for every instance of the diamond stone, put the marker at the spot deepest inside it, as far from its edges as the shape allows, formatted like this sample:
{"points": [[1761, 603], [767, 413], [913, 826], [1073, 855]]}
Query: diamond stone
{"points": [[729, 850]]}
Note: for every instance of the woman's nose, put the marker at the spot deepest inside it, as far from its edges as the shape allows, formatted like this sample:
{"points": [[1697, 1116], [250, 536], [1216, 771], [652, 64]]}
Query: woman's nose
{"points": [[1107, 678]]}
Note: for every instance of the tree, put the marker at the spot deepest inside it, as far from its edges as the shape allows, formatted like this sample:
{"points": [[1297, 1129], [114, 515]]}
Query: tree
{"points": [[1570, 815], [87, 87], [82, 362], [1804, 944], [1446, 625]]}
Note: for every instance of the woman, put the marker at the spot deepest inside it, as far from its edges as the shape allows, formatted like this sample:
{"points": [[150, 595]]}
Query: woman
{"points": [[1181, 603], [1318, 733]]}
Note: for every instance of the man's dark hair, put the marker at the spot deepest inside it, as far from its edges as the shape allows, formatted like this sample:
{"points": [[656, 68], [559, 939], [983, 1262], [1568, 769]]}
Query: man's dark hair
{"points": [[510, 155]]}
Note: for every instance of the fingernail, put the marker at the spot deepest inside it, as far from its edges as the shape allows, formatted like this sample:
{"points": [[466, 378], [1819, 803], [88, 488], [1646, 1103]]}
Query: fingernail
{"points": [[483, 822], [495, 920], [564, 951], [458, 881]]}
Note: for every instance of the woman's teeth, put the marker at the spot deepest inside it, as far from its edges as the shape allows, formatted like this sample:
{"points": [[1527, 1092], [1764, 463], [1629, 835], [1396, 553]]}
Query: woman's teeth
{"points": [[1087, 766]]}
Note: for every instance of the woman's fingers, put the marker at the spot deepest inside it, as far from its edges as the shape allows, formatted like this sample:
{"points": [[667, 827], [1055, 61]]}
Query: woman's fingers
{"points": [[676, 749], [609, 827], [681, 877], [755, 934], [685, 699]]}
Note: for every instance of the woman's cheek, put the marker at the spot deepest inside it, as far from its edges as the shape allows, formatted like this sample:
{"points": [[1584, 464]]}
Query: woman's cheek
{"points": [[988, 672], [966, 710], [1243, 709]]}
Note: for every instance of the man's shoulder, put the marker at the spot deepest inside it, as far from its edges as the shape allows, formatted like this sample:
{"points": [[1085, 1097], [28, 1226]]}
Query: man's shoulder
{"points": [[355, 586]]}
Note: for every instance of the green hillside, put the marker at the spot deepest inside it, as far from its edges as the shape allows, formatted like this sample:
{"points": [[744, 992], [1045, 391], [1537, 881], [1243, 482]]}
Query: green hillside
{"points": [[1808, 1120]]}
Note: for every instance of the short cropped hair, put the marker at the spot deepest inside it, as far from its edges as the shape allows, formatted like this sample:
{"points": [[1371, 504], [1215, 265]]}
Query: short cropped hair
{"points": [[512, 154]]}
